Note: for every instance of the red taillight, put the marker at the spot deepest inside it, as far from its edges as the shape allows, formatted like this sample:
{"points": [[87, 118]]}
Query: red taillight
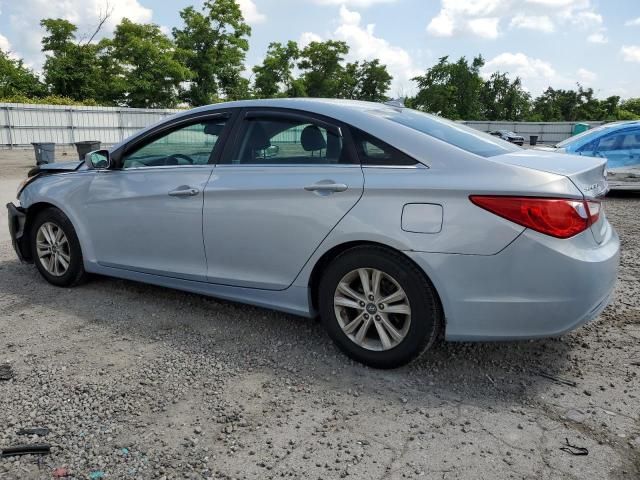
{"points": [[558, 217]]}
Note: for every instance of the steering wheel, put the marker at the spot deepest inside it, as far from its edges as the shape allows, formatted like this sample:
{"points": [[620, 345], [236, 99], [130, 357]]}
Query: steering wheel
{"points": [[175, 157]]}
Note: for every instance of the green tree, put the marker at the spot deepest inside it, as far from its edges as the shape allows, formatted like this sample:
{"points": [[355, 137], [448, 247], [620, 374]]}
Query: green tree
{"points": [[321, 64], [213, 45], [274, 77], [630, 108], [70, 68], [504, 99], [373, 81], [555, 106], [149, 67], [451, 89], [16, 79]]}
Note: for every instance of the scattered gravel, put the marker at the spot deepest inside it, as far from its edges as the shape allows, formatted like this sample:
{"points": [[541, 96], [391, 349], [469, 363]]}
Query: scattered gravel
{"points": [[136, 381]]}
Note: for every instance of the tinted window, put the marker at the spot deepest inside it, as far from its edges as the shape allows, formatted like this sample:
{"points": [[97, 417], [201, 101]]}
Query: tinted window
{"points": [[583, 135], [187, 145], [450, 132], [373, 151], [288, 141], [625, 140]]}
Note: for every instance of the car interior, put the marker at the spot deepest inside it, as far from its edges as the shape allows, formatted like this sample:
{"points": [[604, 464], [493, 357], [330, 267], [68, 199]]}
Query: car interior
{"points": [[288, 142]]}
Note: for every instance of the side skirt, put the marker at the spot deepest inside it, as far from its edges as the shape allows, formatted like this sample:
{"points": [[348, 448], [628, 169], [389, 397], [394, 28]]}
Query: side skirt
{"points": [[294, 300]]}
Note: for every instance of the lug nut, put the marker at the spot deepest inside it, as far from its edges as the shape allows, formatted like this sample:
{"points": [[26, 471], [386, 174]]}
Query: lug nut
{"points": [[381, 306], [377, 317], [366, 316], [362, 304], [371, 297]]}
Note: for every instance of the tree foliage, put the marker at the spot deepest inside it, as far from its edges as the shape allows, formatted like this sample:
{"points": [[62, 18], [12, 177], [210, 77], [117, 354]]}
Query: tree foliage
{"points": [[214, 43], [451, 89], [149, 70], [274, 77], [71, 67], [322, 70], [368, 81], [16, 79]]}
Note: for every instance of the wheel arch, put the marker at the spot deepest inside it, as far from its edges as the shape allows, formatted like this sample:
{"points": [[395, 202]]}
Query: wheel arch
{"points": [[32, 212], [327, 257]]}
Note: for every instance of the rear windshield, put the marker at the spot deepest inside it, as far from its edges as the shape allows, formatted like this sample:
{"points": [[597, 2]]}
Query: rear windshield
{"points": [[456, 134]]}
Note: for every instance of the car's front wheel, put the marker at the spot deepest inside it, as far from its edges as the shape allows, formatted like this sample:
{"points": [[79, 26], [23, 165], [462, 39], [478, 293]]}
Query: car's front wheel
{"points": [[378, 307], [55, 249]]}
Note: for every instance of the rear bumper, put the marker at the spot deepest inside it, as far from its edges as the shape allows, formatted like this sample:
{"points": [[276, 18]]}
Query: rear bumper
{"points": [[537, 287], [17, 220]]}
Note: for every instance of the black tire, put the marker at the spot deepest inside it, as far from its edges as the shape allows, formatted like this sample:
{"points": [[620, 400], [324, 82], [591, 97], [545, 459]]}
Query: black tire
{"points": [[75, 273], [426, 312]]}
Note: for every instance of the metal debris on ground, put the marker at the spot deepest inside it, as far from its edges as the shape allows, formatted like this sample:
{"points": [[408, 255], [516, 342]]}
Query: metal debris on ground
{"points": [[6, 372], [564, 381], [35, 449], [573, 450], [40, 431]]}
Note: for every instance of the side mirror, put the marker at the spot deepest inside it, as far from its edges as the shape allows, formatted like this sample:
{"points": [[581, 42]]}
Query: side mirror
{"points": [[98, 159]]}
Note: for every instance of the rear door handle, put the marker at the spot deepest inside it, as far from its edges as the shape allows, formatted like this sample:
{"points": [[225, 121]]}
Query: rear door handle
{"points": [[184, 192], [326, 187]]}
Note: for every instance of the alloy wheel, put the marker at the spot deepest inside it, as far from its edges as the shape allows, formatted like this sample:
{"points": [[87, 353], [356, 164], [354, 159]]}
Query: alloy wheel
{"points": [[372, 309], [53, 249]]}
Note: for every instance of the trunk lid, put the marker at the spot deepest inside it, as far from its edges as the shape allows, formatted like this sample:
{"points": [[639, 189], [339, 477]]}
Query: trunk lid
{"points": [[588, 174]]}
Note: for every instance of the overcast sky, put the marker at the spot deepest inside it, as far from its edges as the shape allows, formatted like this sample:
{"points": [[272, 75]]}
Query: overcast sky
{"points": [[545, 42]]}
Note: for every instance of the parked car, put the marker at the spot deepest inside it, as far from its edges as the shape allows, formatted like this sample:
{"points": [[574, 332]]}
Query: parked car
{"points": [[618, 143], [509, 136], [393, 225]]}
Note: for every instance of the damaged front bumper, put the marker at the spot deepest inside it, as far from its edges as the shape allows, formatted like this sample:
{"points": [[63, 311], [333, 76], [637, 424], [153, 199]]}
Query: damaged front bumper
{"points": [[17, 222]]}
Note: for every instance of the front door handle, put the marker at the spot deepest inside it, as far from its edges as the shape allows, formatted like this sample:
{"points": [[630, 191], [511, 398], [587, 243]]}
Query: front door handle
{"points": [[184, 192], [326, 187]]}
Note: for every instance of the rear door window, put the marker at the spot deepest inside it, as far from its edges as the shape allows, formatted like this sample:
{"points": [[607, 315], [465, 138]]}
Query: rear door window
{"points": [[278, 140]]}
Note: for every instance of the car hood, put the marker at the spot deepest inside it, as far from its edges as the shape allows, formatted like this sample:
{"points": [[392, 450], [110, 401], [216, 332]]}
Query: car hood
{"points": [[57, 167], [586, 173], [71, 166]]}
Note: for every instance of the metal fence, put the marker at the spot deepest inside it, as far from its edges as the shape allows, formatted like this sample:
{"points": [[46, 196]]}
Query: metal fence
{"points": [[547, 132], [23, 124]]}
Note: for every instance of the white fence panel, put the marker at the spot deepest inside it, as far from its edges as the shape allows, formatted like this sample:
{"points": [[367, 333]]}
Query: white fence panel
{"points": [[547, 132], [23, 124]]}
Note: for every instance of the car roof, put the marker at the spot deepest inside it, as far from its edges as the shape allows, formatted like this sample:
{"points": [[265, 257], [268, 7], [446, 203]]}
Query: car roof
{"points": [[328, 106]]}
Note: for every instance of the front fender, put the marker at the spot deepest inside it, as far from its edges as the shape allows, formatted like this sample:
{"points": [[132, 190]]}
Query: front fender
{"points": [[66, 192]]}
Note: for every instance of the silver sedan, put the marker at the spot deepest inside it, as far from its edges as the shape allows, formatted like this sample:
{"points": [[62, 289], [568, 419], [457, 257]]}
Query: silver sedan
{"points": [[394, 226]]}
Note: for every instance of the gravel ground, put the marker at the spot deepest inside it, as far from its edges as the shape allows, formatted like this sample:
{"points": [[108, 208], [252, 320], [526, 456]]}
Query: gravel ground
{"points": [[136, 381]]}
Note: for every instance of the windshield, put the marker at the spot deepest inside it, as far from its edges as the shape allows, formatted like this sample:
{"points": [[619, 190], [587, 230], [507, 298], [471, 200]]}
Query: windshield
{"points": [[583, 135], [453, 133]]}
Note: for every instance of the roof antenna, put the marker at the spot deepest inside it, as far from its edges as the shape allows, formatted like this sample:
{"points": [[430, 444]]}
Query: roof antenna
{"points": [[396, 102]]}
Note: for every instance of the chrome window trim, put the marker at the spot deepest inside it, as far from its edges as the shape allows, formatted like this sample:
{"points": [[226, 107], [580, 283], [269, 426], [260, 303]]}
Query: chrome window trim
{"points": [[294, 165], [164, 167], [417, 166]]}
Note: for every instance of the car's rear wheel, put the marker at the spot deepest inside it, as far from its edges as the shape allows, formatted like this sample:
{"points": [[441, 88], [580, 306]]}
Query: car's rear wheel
{"points": [[56, 249], [378, 307]]}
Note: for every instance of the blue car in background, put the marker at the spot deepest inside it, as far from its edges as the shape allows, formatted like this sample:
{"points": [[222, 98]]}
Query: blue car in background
{"points": [[619, 143]]}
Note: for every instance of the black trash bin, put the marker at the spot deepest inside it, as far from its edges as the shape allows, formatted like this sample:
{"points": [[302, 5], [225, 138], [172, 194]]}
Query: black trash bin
{"points": [[533, 140], [87, 146], [45, 152]]}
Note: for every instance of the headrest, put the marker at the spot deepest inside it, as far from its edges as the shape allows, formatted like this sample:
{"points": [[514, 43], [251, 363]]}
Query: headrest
{"points": [[312, 139]]}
